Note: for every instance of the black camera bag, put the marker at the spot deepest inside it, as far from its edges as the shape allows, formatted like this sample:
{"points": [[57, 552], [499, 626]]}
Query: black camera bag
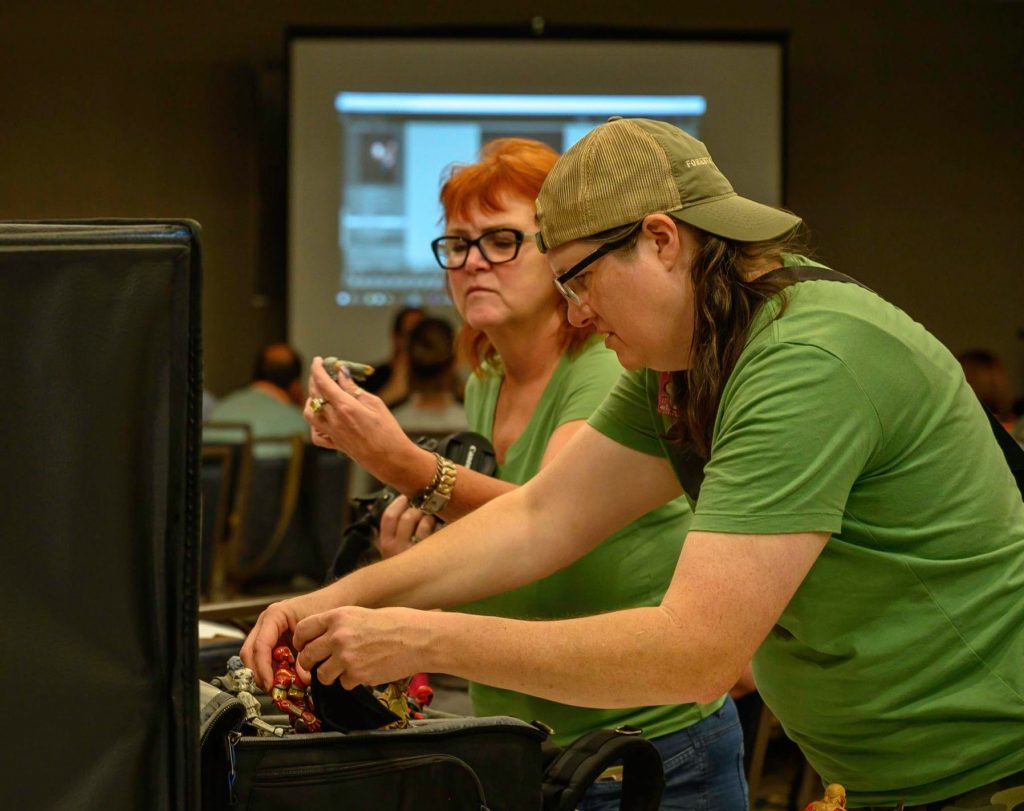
{"points": [[495, 764]]}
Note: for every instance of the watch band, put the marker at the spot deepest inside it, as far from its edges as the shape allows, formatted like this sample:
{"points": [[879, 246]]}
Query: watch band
{"points": [[436, 495]]}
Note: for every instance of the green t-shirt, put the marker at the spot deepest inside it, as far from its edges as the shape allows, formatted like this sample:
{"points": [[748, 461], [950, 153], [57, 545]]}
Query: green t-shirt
{"points": [[631, 568], [898, 666]]}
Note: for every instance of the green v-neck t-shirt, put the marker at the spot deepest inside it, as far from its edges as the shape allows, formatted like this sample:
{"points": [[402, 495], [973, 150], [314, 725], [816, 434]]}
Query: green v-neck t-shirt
{"points": [[632, 568], [898, 665]]}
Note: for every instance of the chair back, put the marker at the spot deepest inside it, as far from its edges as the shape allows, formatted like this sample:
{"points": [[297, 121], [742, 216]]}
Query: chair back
{"points": [[224, 464], [278, 518]]}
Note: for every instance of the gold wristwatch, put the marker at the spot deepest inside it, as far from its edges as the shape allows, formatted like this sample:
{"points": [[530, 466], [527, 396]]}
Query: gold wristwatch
{"points": [[436, 495]]}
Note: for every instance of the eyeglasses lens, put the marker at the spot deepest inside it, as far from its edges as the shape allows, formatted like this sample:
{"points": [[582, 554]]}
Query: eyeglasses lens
{"points": [[496, 247]]}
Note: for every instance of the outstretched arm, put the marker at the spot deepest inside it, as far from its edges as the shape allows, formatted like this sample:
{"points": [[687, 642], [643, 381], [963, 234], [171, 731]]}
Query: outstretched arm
{"points": [[590, 490], [727, 592]]}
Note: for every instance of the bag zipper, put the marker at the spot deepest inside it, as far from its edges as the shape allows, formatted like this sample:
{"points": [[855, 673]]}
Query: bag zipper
{"points": [[211, 722], [526, 730]]}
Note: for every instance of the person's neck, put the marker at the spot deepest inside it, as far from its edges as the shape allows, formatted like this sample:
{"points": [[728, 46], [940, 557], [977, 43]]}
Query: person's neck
{"points": [[271, 390], [434, 400], [529, 352], [761, 266]]}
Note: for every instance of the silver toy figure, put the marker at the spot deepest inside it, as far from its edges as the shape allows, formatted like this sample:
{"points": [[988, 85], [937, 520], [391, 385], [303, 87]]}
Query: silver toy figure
{"points": [[239, 681], [357, 371]]}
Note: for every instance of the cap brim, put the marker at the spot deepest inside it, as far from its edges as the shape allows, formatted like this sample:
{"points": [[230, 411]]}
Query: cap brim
{"points": [[738, 218]]}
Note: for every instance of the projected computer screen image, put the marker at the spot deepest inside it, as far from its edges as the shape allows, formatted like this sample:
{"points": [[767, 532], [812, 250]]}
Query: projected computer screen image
{"points": [[396, 148], [376, 125]]}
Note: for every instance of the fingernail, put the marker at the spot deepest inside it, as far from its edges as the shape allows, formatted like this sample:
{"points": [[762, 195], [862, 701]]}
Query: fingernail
{"points": [[346, 372]]}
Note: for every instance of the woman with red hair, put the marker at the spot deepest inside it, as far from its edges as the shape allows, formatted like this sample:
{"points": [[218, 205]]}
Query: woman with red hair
{"points": [[537, 379]]}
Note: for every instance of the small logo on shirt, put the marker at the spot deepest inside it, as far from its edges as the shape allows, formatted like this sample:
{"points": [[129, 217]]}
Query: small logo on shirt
{"points": [[697, 162], [665, 406]]}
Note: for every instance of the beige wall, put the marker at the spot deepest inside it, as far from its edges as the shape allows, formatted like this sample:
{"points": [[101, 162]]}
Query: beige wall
{"points": [[904, 153]]}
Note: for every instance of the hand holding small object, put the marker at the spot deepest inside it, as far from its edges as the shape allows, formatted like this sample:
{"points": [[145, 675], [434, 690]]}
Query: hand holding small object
{"points": [[346, 418], [290, 692]]}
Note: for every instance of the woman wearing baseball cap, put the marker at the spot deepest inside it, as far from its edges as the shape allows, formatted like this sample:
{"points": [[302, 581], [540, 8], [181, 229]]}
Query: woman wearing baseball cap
{"points": [[856, 528]]}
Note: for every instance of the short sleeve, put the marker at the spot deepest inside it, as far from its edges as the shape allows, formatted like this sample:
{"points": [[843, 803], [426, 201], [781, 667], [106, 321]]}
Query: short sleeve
{"points": [[626, 417], [590, 376], [794, 432]]}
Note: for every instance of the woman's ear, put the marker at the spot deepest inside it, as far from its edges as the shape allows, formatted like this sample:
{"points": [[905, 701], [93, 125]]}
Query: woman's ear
{"points": [[664, 233]]}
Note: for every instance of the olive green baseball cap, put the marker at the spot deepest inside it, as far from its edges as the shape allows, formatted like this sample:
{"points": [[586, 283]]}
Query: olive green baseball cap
{"points": [[627, 168]]}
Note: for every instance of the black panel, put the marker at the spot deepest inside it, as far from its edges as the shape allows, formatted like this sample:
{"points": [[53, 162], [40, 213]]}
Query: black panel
{"points": [[99, 426]]}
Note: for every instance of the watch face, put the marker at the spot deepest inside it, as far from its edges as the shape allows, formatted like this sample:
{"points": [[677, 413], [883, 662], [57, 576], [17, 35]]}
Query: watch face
{"points": [[435, 497]]}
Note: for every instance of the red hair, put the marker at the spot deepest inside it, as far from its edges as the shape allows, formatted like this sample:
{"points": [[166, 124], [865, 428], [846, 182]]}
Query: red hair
{"points": [[508, 167]]}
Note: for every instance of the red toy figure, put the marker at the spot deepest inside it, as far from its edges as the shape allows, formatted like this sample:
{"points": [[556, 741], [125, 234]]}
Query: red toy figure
{"points": [[420, 690], [289, 692]]}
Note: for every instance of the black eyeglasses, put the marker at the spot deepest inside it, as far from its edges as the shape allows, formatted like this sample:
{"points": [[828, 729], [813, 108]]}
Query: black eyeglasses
{"points": [[497, 247], [564, 281]]}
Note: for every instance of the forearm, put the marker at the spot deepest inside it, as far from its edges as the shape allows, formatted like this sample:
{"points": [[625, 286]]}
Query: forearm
{"points": [[415, 470], [636, 657], [505, 544]]}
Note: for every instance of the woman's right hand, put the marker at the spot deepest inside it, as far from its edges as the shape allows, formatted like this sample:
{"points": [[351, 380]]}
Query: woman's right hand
{"points": [[402, 526], [357, 423], [273, 627]]}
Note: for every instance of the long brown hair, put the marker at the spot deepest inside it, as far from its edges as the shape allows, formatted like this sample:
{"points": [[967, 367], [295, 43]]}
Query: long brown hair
{"points": [[508, 167], [725, 305]]}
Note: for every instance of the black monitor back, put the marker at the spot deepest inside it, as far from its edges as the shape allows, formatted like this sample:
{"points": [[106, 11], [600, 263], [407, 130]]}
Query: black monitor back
{"points": [[100, 397]]}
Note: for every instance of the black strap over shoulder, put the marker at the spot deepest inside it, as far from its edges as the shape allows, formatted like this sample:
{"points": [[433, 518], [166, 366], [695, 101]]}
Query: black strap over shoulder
{"points": [[811, 273], [575, 768], [690, 465], [1011, 450]]}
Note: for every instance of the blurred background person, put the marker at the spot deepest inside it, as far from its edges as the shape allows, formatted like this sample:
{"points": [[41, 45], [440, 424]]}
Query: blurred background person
{"points": [[987, 375], [390, 379], [431, 407], [271, 404]]}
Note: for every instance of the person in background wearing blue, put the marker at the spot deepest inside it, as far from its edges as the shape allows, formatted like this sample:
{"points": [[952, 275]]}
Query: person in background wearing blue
{"points": [[271, 405]]}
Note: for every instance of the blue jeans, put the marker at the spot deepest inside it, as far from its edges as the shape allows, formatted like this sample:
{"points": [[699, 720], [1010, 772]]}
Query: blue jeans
{"points": [[703, 768]]}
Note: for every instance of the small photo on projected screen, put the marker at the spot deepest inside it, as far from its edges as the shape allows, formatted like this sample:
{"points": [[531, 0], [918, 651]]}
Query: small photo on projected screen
{"points": [[396, 149]]}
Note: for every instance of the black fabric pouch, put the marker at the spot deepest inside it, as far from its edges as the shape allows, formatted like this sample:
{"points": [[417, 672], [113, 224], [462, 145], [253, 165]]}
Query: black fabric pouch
{"points": [[343, 710]]}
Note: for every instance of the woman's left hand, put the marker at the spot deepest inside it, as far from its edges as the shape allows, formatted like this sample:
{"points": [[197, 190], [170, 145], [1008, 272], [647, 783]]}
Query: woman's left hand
{"points": [[402, 526], [356, 423], [361, 645]]}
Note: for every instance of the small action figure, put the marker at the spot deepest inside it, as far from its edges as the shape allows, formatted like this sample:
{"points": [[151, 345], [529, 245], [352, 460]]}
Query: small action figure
{"points": [[357, 371], [834, 799], [290, 693], [245, 683], [239, 681], [394, 698], [420, 690], [227, 681]]}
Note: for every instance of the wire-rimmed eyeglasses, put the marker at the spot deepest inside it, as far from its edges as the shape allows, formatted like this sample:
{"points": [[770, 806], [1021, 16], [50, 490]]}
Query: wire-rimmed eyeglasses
{"points": [[568, 282], [497, 247]]}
